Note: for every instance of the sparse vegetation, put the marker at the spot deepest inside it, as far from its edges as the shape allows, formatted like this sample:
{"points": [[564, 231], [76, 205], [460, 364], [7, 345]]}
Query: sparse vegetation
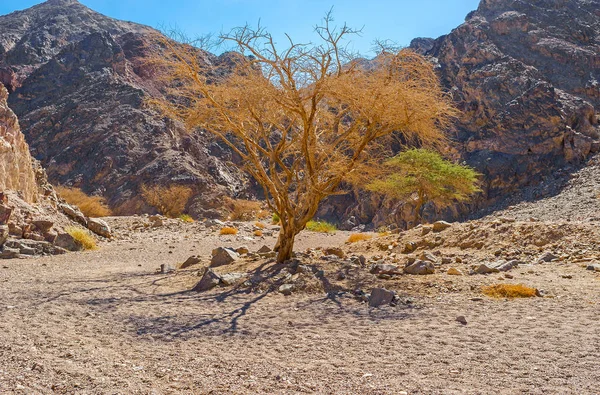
{"points": [[258, 233], [321, 227], [275, 219], [82, 237], [260, 225], [186, 218], [509, 291], [426, 177], [168, 200], [307, 119], [244, 210], [228, 231], [356, 237], [90, 206]]}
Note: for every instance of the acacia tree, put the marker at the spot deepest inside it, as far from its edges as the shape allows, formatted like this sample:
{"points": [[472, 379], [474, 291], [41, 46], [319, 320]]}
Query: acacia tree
{"points": [[426, 177], [306, 119]]}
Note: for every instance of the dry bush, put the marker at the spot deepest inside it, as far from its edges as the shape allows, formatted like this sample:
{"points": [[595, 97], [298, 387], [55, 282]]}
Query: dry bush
{"points": [[82, 237], [90, 206], [258, 233], [168, 200], [359, 237], [243, 210], [509, 291], [260, 225], [186, 218], [228, 231]]}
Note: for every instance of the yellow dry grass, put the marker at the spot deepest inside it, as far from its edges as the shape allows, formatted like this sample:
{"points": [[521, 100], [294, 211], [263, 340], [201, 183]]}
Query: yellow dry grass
{"points": [[356, 237], [258, 233], [82, 237], [228, 231], [90, 206], [260, 225], [320, 227], [509, 291], [168, 200]]}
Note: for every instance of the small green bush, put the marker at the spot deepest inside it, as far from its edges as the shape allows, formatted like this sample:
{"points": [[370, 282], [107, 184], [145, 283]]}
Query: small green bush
{"points": [[321, 227]]}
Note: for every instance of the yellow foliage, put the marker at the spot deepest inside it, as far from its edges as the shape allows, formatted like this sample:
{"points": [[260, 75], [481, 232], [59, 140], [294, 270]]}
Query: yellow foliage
{"points": [[244, 210], [258, 233], [168, 200], [260, 225], [509, 291], [82, 237], [359, 237], [228, 231], [90, 206]]}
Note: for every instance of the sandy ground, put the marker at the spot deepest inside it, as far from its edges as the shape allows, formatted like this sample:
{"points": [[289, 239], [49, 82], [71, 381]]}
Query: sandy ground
{"points": [[104, 322]]}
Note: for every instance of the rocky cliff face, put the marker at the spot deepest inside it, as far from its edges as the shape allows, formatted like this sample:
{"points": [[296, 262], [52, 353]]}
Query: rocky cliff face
{"points": [[525, 74], [80, 83], [16, 172]]}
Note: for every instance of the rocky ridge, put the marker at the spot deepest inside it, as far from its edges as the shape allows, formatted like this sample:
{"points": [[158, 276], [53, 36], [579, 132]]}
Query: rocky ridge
{"points": [[80, 81]]}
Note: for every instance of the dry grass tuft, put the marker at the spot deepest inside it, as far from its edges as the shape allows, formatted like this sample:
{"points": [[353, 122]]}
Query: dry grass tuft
{"points": [[509, 291], [356, 237], [228, 231], [244, 210], [83, 238], [320, 227], [186, 218], [258, 233], [90, 206], [260, 225]]}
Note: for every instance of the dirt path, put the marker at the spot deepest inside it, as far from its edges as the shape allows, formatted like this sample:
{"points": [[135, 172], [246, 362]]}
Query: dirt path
{"points": [[104, 323]]}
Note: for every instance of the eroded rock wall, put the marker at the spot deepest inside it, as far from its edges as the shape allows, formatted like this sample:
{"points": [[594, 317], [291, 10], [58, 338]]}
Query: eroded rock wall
{"points": [[16, 172]]}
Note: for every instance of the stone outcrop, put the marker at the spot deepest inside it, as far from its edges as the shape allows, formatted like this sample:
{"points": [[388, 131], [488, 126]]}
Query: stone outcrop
{"points": [[16, 172]]}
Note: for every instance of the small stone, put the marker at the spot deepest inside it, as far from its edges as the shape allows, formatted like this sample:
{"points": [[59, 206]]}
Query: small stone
{"points": [[461, 319], [485, 269], [209, 280], [9, 253], [66, 241], [547, 257], [334, 251], [380, 297], [263, 250], [242, 250], [427, 256], [439, 226], [420, 268], [166, 268], [43, 224], [287, 289], [191, 261], [233, 278], [385, 269], [454, 272], [409, 247], [595, 268], [426, 230], [223, 256]]}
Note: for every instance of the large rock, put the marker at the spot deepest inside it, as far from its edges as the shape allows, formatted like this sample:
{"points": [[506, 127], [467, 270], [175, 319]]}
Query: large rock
{"points": [[99, 227], [66, 241], [223, 256], [383, 268]]}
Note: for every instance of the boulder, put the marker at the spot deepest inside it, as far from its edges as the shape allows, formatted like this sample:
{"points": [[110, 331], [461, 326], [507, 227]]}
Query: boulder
{"points": [[454, 272], [9, 253], [66, 241], [223, 256], [382, 268], [43, 225], [380, 297], [73, 213], [191, 261], [420, 268], [166, 268], [99, 227], [209, 280], [242, 250], [263, 250], [5, 213], [439, 226]]}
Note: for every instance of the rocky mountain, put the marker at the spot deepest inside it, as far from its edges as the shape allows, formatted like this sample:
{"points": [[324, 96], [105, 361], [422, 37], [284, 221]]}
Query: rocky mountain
{"points": [[79, 83], [524, 73]]}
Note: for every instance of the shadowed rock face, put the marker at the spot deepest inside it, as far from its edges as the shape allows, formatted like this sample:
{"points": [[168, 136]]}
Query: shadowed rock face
{"points": [[16, 172], [525, 74], [80, 84]]}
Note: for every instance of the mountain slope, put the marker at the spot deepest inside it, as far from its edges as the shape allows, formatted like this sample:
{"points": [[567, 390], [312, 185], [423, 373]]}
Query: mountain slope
{"points": [[80, 83]]}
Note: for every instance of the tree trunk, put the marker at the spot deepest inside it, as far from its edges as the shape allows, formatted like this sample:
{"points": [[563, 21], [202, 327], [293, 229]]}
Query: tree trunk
{"points": [[285, 243], [418, 206]]}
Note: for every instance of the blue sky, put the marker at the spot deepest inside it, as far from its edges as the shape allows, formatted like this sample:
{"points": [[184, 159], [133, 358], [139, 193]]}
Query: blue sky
{"points": [[396, 20]]}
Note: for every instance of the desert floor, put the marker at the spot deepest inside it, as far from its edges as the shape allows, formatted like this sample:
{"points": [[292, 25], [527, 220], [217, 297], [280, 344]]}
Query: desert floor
{"points": [[105, 322]]}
